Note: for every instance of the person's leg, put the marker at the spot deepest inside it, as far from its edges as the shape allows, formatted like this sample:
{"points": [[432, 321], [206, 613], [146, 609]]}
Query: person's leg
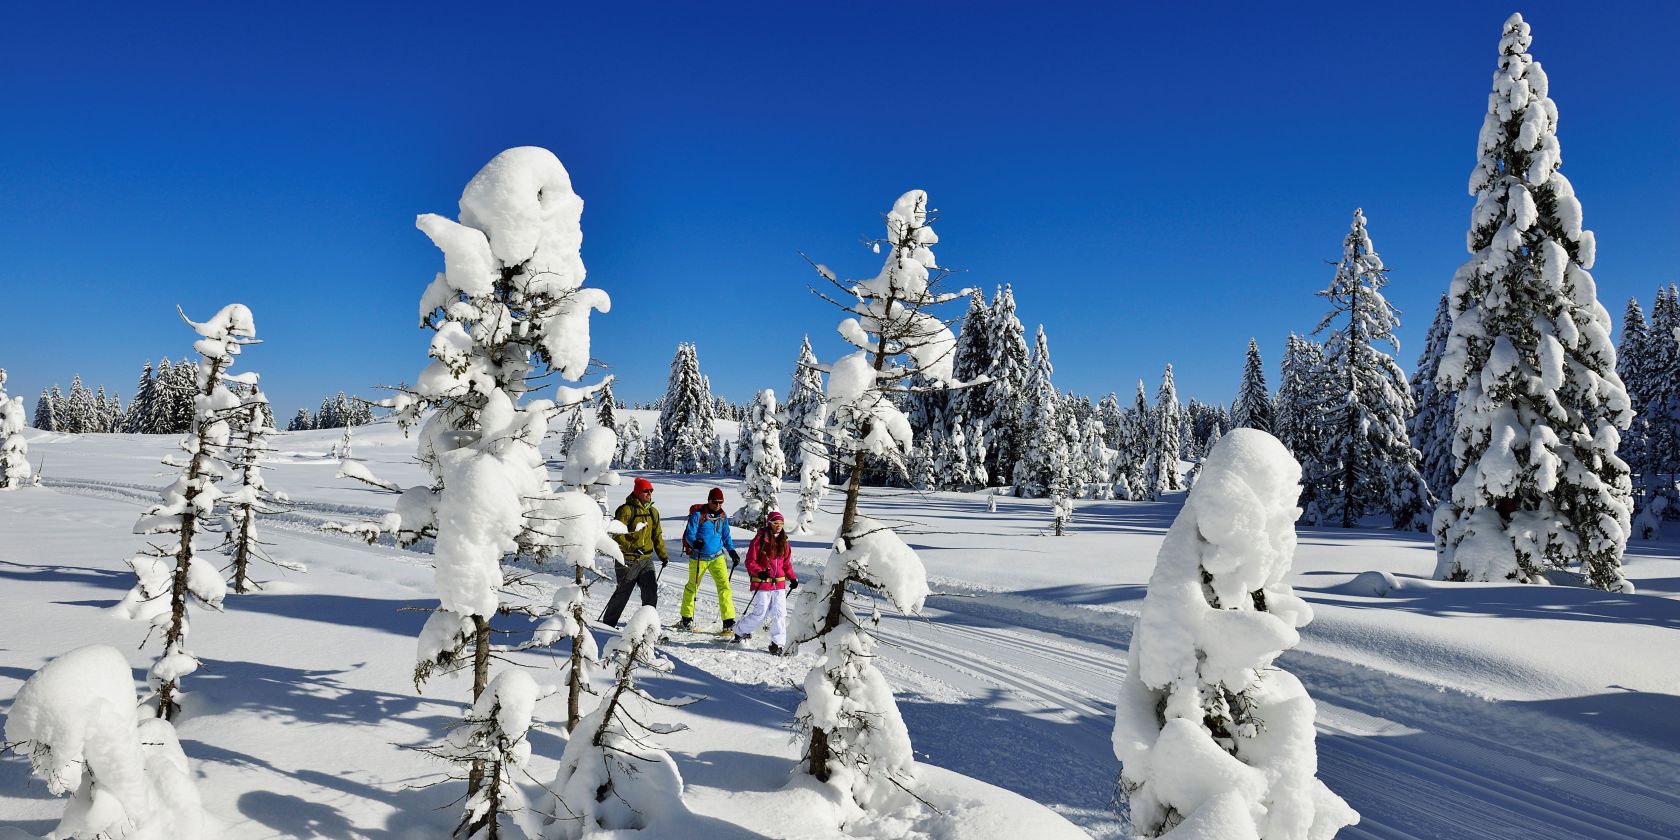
{"points": [[758, 609], [620, 597], [649, 582], [690, 588], [726, 598], [776, 606]]}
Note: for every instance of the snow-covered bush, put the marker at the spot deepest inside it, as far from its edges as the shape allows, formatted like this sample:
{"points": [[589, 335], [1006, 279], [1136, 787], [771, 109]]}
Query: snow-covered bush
{"points": [[765, 464], [589, 460], [169, 573], [1216, 742], [14, 451], [126, 777], [856, 740], [611, 777], [494, 736], [1540, 406]]}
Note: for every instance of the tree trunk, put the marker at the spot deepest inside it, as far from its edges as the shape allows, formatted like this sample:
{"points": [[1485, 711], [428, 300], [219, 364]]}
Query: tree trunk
{"points": [[167, 707], [481, 678], [574, 684]]}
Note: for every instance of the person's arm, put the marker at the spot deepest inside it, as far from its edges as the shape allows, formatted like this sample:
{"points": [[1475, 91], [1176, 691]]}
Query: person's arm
{"points": [[658, 534], [624, 514], [691, 531]]}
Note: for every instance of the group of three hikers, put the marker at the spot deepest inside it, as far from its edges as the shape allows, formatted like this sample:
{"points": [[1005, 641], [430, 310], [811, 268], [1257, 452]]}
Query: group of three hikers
{"points": [[706, 540]]}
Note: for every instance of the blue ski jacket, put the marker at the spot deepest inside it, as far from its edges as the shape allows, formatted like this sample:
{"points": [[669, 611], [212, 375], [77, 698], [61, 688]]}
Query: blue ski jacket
{"points": [[707, 536]]}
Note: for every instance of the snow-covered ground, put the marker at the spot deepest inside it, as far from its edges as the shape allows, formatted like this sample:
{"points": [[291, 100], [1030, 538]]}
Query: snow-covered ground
{"points": [[1461, 710]]}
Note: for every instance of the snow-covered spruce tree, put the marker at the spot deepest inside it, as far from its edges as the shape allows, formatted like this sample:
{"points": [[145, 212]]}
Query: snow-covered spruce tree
{"points": [[252, 497], [855, 739], [1300, 403], [171, 572], [686, 432], [1660, 381], [46, 414], [78, 415], [509, 308], [814, 461], [126, 776], [1631, 365], [765, 464], [14, 451], [1254, 403], [1042, 469], [606, 408], [1215, 740], [1161, 470], [1006, 393], [1540, 407], [804, 399], [1431, 426], [1369, 464], [632, 446], [138, 409], [611, 776], [971, 360], [157, 415]]}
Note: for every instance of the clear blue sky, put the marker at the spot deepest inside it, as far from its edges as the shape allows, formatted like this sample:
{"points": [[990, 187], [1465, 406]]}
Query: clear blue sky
{"points": [[1158, 184]]}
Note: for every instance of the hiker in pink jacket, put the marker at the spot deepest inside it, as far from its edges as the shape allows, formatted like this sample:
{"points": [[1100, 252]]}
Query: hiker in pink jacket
{"points": [[770, 570]]}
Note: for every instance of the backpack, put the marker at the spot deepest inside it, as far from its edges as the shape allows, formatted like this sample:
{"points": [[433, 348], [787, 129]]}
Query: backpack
{"points": [[692, 509]]}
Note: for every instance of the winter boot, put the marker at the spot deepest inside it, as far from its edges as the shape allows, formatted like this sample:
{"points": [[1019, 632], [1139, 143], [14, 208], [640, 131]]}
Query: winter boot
{"points": [[774, 649], [685, 623], [729, 624]]}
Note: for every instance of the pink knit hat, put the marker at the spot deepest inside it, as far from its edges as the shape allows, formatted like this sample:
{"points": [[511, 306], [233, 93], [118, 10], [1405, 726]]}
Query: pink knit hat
{"points": [[775, 516]]}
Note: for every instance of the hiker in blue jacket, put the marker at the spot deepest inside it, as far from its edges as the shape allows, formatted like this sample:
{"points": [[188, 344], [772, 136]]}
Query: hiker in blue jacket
{"points": [[706, 540]]}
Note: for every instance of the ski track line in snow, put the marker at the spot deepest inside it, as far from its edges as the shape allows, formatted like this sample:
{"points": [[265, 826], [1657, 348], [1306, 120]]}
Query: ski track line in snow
{"points": [[1460, 787]]}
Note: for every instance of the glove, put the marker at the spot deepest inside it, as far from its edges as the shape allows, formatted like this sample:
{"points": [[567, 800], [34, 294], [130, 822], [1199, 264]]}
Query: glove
{"points": [[664, 561], [734, 557], [793, 583]]}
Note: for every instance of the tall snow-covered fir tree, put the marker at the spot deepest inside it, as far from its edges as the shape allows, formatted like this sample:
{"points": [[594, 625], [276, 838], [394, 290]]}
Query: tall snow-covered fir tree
{"points": [[1043, 468], [1214, 739], [1659, 393], [765, 464], [804, 400], [971, 360], [1165, 440], [1300, 406], [1006, 393], [171, 572], [78, 415], [509, 308], [856, 740], [1540, 408], [1367, 464], [46, 412], [606, 408], [686, 434], [1131, 469], [137, 419], [1253, 409], [1431, 425], [14, 450]]}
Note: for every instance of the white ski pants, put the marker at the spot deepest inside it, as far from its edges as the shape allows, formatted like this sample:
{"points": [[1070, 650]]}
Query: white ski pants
{"points": [[768, 605]]}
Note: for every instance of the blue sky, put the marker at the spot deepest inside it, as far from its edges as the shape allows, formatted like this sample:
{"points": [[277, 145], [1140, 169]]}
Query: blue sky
{"points": [[1158, 184]]}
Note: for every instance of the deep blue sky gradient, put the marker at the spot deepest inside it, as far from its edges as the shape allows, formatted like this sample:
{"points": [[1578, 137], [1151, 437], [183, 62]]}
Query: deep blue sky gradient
{"points": [[1159, 184]]}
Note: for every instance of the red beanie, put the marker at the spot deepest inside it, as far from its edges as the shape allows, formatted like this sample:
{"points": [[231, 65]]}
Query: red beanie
{"points": [[716, 495], [775, 516], [642, 484]]}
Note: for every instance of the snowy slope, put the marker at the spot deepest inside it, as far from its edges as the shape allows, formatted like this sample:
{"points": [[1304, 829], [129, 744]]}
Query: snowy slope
{"points": [[1456, 710]]}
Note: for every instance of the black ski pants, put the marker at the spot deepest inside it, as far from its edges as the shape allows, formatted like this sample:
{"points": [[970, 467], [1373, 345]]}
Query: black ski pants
{"points": [[639, 573]]}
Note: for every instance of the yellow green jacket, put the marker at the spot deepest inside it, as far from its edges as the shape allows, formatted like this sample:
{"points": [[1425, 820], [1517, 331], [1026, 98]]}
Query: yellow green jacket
{"points": [[642, 523]]}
